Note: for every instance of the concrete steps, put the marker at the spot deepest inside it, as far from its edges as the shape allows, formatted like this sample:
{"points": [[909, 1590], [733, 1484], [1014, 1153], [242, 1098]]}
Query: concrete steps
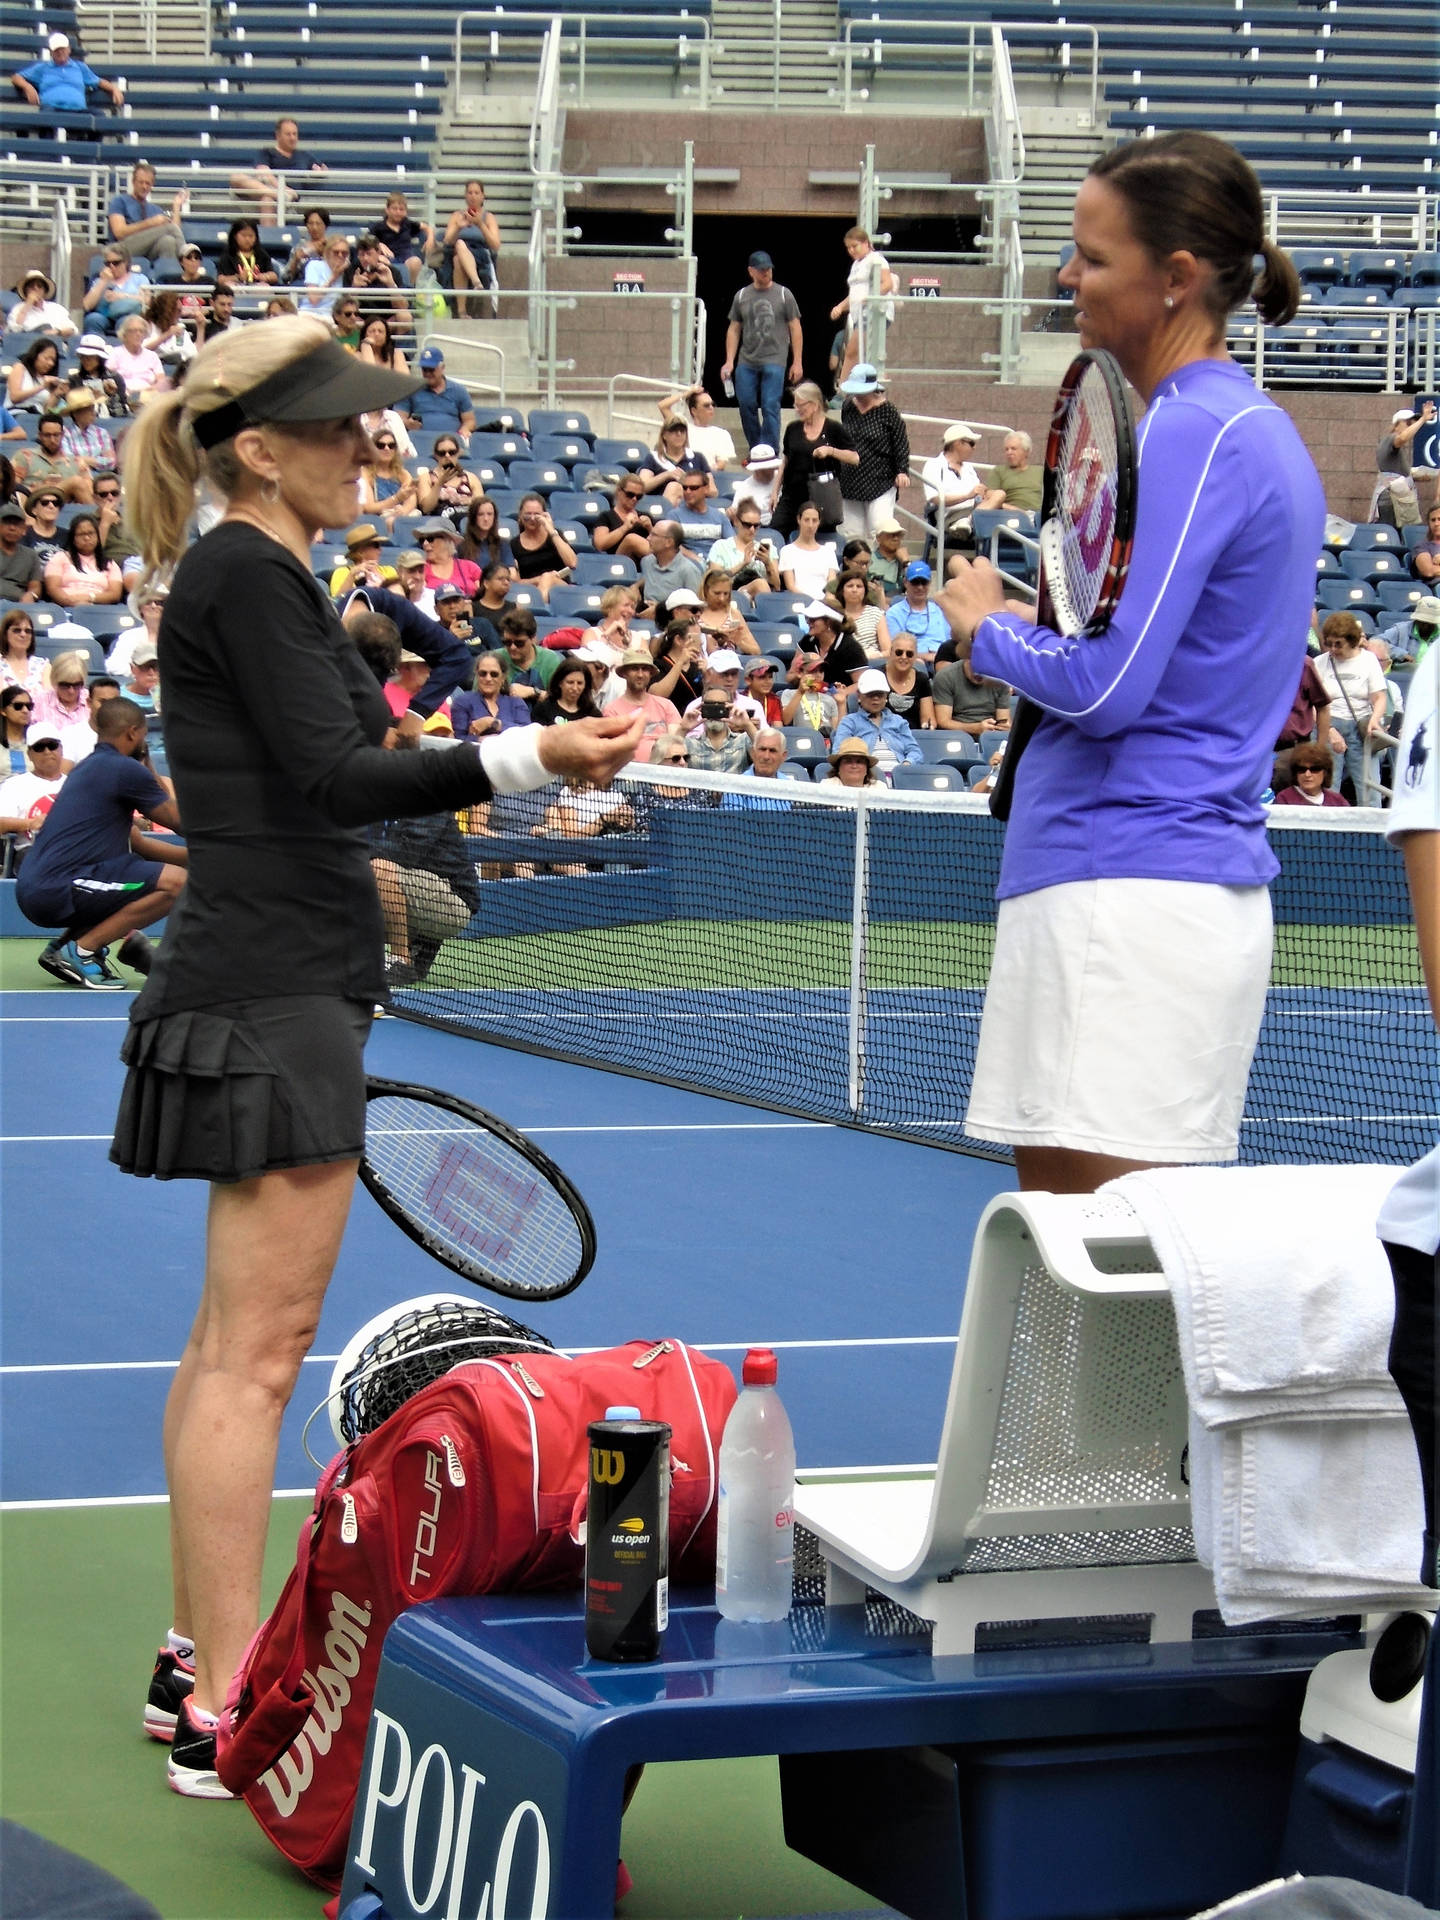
{"points": [[746, 71]]}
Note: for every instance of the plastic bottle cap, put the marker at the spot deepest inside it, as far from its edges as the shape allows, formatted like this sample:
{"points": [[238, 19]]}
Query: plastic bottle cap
{"points": [[761, 1367], [622, 1413]]}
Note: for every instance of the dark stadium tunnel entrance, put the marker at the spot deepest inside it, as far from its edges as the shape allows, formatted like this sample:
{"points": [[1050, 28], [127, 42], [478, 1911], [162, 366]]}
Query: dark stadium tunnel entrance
{"points": [[810, 259]]}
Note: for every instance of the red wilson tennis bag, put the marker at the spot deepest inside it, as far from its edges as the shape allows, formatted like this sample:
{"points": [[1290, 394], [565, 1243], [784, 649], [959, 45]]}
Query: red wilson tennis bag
{"points": [[476, 1485]]}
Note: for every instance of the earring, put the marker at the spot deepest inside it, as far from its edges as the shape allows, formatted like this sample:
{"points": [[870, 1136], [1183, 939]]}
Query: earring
{"points": [[1168, 301], [270, 492]]}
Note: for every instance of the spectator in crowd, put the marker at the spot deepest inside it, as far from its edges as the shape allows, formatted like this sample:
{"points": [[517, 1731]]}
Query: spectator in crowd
{"points": [[314, 225], [1312, 769], [611, 631], [543, 556], [767, 756], [244, 262], [1014, 482], [17, 710], [278, 306], [666, 466], [345, 318], [1356, 686], [830, 639], [493, 599], [61, 83], [529, 668], [1425, 560], [117, 291], [721, 622], [81, 576], [809, 705], [42, 506], [443, 566], [637, 672], [489, 709], [26, 798], [20, 665], [992, 771], [370, 273], [66, 698], [721, 674], [387, 486], [362, 565], [469, 250], [699, 512], [117, 542], [582, 812], [749, 560], [406, 241], [35, 382], [427, 886], [918, 616], [666, 568], [762, 335], [888, 736], [410, 581], [82, 438], [167, 335], [1412, 639], [853, 763], [882, 446], [20, 564], [760, 685], [285, 157], [870, 273], [377, 345], [910, 695], [1309, 718], [91, 373], [761, 486], [815, 448], [455, 611], [679, 661], [967, 703], [441, 405], [137, 365], [807, 565], [1395, 500], [47, 463], [324, 276], [952, 483], [194, 289], [78, 736], [705, 437], [142, 686], [220, 314], [448, 488], [37, 310], [860, 600], [625, 526], [482, 540], [720, 741], [669, 750], [568, 696], [148, 604]]}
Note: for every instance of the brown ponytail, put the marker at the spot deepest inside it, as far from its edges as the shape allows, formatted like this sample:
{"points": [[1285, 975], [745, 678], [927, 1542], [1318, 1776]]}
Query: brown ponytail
{"points": [[1277, 291]]}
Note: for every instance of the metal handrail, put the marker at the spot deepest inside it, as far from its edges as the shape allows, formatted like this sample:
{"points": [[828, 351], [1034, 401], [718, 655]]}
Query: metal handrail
{"points": [[152, 17], [545, 121], [60, 244], [945, 37], [1287, 364], [584, 33], [464, 344]]}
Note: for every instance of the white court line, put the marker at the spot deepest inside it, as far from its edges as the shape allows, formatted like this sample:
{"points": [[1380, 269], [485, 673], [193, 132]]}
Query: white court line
{"points": [[329, 1359], [64, 1019], [666, 1126]]}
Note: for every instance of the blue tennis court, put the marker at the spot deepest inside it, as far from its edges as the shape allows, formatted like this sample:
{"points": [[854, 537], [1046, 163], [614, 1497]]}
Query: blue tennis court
{"points": [[726, 1224]]}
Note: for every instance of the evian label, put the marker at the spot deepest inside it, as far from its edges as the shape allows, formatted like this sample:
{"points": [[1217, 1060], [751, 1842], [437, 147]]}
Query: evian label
{"points": [[347, 1629]]}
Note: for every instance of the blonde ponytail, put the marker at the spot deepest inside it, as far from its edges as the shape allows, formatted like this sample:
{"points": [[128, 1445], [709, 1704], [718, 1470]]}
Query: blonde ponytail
{"points": [[163, 462]]}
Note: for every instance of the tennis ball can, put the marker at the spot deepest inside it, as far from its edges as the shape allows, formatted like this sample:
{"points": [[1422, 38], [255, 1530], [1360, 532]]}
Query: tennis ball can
{"points": [[755, 1542], [627, 1536]]}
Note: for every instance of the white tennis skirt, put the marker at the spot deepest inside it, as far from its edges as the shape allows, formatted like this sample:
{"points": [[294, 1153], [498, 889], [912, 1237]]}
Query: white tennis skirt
{"points": [[1120, 1018]]}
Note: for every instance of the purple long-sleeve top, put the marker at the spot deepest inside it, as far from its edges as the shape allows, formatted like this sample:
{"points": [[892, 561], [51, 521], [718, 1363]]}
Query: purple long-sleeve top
{"points": [[1155, 743]]}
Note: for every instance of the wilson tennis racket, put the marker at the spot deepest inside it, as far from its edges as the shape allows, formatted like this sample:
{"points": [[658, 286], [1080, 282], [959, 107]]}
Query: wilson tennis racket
{"points": [[474, 1192], [1087, 524]]}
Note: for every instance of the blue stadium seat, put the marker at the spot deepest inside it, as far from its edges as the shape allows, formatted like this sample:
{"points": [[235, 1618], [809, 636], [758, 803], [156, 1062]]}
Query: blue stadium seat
{"points": [[1373, 563], [1372, 534], [929, 779], [1350, 596], [491, 474], [549, 420], [773, 608], [1417, 299], [1377, 267], [1398, 596], [806, 746], [1327, 566], [1319, 266], [523, 594], [974, 775], [587, 507], [604, 568], [573, 531], [937, 748], [577, 600], [621, 453], [534, 476], [794, 770], [1414, 537], [499, 446], [1366, 295], [567, 450], [1424, 270], [103, 622]]}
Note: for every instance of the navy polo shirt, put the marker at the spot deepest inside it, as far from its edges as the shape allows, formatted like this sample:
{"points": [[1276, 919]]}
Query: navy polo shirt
{"points": [[92, 817]]}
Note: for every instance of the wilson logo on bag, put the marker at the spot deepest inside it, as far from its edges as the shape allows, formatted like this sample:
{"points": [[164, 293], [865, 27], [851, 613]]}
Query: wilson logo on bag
{"points": [[476, 1485]]}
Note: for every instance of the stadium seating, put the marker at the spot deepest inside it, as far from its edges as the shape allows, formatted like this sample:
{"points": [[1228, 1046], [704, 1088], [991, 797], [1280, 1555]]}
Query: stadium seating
{"points": [[938, 748], [929, 779]]}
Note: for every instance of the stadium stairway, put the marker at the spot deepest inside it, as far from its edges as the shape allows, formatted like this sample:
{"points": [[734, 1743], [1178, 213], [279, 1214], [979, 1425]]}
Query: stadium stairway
{"points": [[744, 72]]}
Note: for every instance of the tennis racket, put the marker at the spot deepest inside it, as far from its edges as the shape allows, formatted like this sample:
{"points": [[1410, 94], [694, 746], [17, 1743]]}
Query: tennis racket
{"points": [[1087, 525], [474, 1192]]}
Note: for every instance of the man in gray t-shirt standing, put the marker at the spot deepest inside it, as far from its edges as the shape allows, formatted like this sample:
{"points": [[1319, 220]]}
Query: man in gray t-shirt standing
{"points": [[764, 333]]}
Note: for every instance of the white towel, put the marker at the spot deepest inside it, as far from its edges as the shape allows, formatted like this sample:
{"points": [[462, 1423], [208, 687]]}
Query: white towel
{"points": [[1304, 1480]]}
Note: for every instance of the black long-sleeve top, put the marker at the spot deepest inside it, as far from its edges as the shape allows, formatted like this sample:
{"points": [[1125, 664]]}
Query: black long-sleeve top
{"points": [[272, 725]]}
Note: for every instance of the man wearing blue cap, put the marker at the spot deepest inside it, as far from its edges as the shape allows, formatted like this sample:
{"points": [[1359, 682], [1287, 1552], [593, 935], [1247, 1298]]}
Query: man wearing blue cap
{"points": [[764, 332], [441, 405]]}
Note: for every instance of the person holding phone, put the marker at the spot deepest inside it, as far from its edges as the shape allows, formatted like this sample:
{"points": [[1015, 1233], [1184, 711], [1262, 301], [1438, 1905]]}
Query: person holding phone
{"points": [[542, 555]]}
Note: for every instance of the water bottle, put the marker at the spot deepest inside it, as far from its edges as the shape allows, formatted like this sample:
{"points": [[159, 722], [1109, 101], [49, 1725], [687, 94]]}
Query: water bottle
{"points": [[729, 386], [755, 1542]]}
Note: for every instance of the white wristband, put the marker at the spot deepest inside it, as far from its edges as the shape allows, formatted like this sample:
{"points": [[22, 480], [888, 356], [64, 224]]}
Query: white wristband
{"points": [[512, 760]]}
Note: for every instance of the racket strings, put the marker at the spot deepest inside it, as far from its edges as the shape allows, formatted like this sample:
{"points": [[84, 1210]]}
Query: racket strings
{"points": [[420, 1348], [1080, 543], [478, 1200]]}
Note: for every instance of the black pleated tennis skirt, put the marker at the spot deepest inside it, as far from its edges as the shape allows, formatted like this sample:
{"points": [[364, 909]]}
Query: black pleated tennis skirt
{"points": [[225, 1096]]}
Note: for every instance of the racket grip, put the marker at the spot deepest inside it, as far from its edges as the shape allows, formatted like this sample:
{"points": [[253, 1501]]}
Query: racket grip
{"points": [[1023, 721]]}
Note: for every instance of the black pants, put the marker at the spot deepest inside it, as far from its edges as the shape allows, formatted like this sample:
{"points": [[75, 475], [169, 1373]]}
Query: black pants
{"points": [[1415, 1367]]}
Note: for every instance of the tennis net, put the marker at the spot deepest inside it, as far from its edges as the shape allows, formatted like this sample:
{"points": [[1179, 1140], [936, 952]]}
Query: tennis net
{"points": [[824, 951]]}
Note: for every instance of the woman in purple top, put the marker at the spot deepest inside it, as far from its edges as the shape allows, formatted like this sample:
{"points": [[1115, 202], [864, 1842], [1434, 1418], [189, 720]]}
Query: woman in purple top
{"points": [[1133, 941], [489, 709]]}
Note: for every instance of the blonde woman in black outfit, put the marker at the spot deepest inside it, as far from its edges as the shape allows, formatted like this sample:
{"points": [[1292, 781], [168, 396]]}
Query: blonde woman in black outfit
{"points": [[245, 1049]]}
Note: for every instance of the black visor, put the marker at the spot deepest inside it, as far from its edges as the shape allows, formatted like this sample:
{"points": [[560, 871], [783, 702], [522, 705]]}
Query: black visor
{"points": [[327, 384]]}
